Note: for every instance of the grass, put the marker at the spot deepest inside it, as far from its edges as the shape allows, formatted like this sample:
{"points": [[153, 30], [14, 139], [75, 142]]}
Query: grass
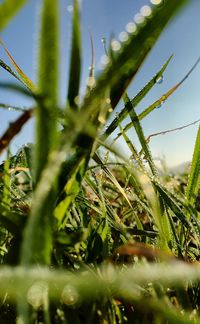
{"points": [[87, 235]]}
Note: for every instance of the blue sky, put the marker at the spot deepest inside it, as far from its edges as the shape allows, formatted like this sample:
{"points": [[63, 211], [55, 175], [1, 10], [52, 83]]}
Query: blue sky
{"points": [[103, 18]]}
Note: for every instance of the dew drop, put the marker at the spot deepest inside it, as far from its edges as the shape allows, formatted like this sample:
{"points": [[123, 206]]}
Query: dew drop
{"points": [[146, 11], [37, 294], [91, 67], [108, 101], [76, 100], [10, 108], [160, 79], [123, 36], [104, 61], [70, 8], [156, 2], [101, 119], [159, 105], [103, 40], [131, 27], [91, 82], [110, 110], [69, 295], [115, 45], [139, 19]]}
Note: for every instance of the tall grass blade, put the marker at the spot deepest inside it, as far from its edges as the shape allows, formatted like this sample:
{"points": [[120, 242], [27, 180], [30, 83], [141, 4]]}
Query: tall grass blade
{"points": [[8, 9], [138, 128], [15, 87], [136, 100], [9, 70], [163, 98], [75, 64], [25, 79], [46, 134], [129, 56], [193, 184], [37, 243], [71, 190]]}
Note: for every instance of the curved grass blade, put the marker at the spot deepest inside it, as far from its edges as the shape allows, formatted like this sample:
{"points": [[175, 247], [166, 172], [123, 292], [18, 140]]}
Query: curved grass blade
{"points": [[122, 286], [9, 70], [136, 100], [14, 222], [162, 99], [15, 87], [129, 56], [14, 129], [172, 130], [75, 64], [25, 79], [135, 156], [71, 190], [138, 128], [126, 57], [10, 107], [172, 204], [194, 175], [8, 9], [111, 177]]}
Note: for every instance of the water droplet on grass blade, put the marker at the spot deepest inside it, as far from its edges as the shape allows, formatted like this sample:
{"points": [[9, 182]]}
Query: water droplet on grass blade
{"points": [[69, 295], [102, 119], [104, 61], [146, 11], [108, 101], [115, 45], [91, 82], [70, 8], [160, 79], [156, 2], [139, 19], [37, 294], [131, 27], [123, 36]]}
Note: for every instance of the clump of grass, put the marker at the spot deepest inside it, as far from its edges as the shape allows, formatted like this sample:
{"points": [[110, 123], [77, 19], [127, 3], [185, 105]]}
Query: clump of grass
{"points": [[86, 234]]}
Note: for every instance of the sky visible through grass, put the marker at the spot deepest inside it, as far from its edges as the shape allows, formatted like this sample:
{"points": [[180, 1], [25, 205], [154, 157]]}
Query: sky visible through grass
{"points": [[104, 18]]}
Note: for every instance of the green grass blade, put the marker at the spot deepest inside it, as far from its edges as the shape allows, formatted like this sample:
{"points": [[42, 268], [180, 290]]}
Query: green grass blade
{"points": [[9, 70], [75, 64], [71, 190], [25, 79], [163, 98], [172, 204], [194, 175], [48, 51], [129, 56], [11, 107], [138, 128], [48, 85], [15, 87], [37, 243], [8, 9], [111, 177], [136, 100], [14, 222]]}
